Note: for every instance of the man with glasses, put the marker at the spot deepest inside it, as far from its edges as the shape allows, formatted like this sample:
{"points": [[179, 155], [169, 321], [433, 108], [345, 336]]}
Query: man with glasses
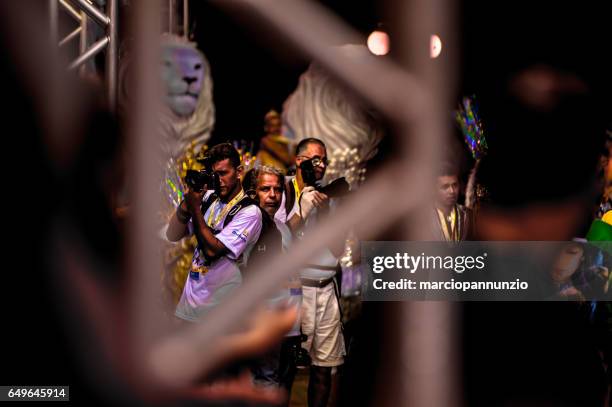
{"points": [[321, 319]]}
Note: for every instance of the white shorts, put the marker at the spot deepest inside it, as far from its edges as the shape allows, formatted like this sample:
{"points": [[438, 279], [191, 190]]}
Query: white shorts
{"points": [[321, 323]]}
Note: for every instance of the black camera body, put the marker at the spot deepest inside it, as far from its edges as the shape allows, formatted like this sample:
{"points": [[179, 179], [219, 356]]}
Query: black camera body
{"points": [[335, 189], [197, 179]]}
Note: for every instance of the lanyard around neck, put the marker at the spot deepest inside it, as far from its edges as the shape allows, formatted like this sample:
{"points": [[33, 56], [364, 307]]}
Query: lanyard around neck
{"points": [[296, 188], [453, 234], [224, 211]]}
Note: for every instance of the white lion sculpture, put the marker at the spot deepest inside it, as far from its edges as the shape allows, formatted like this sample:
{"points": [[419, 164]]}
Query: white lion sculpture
{"points": [[188, 114], [321, 108]]}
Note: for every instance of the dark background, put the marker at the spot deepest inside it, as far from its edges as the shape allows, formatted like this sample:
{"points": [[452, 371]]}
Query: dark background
{"points": [[255, 71]]}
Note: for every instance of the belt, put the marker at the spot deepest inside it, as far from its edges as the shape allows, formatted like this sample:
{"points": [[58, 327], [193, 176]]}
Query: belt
{"points": [[308, 282]]}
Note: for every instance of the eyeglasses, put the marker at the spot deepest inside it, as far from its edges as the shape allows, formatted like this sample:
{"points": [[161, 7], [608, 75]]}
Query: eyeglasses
{"points": [[316, 161]]}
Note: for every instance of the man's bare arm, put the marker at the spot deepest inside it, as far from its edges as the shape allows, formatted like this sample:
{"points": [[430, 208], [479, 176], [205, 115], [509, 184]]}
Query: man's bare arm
{"points": [[177, 229], [295, 223]]}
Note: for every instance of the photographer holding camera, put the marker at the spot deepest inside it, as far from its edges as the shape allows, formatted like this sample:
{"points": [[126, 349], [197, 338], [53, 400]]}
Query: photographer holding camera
{"points": [[226, 224], [303, 201]]}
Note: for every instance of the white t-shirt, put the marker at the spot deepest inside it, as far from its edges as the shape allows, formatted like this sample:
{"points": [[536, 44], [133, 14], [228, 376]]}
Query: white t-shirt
{"points": [[204, 291], [325, 257]]}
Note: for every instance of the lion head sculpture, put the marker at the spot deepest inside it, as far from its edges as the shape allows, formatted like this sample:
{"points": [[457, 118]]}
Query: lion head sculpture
{"points": [[320, 107], [189, 112]]}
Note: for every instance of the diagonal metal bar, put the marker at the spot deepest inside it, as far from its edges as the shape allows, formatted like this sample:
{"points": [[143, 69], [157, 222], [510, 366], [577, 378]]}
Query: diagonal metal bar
{"points": [[73, 13], [95, 14], [70, 36], [90, 53]]}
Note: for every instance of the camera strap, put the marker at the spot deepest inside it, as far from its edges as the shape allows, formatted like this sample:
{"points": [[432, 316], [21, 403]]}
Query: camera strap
{"points": [[231, 207], [207, 202], [243, 203], [289, 197]]}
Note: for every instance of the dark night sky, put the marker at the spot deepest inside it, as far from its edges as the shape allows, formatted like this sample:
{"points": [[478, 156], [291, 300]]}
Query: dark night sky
{"points": [[253, 72]]}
